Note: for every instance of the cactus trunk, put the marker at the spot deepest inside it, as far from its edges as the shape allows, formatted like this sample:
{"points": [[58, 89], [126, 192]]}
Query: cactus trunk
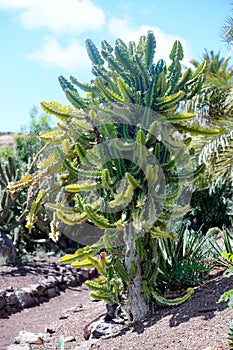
{"points": [[136, 305]]}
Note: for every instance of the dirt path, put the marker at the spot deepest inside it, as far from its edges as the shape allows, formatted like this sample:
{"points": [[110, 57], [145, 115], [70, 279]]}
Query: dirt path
{"points": [[37, 318]]}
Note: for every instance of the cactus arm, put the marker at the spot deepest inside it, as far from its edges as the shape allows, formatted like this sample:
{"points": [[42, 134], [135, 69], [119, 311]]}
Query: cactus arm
{"points": [[93, 53], [172, 302], [149, 49], [83, 86]]}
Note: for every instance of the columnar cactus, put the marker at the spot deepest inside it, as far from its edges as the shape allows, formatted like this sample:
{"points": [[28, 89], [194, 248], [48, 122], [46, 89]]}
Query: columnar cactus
{"points": [[122, 154], [12, 208]]}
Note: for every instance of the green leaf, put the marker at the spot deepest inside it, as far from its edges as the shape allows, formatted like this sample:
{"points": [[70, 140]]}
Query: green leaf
{"points": [[227, 296]]}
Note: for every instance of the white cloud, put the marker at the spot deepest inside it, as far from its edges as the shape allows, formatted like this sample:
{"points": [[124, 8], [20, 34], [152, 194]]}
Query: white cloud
{"points": [[60, 16], [122, 28], [71, 57]]}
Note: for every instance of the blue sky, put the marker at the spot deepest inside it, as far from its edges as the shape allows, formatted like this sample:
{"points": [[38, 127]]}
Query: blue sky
{"points": [[42, 39]]}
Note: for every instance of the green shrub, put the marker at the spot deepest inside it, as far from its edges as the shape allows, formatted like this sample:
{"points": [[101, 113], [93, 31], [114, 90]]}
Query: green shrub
{"points": [[211, 209]]}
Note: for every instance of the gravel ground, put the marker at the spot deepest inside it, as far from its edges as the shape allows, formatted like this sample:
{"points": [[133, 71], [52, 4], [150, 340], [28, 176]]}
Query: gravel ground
{"points": [[198, 324]]}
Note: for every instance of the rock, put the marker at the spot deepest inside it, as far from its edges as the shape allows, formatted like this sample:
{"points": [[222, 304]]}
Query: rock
{"points": [[2, 301], [10, 289], [62, 287], [85, 273], [64, 315], [51, 292], [50, 329], [69, 339], [46, 337], [19, 347], [12, 299], [25, 337], [81, 277], [70, 281], [62, 269], [38, 288], [13, 310], [101, 329], [93, 273], [7, 249], [29, 290], [25, 299], [78, 281], [52, 281]]}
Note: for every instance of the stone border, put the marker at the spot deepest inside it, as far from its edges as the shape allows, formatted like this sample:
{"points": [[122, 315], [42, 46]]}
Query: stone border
{"points": [[14, 300]]}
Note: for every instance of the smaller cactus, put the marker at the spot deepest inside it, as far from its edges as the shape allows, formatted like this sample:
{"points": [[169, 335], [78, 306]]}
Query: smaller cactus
{"points": [[12, 206], [15, 205]]}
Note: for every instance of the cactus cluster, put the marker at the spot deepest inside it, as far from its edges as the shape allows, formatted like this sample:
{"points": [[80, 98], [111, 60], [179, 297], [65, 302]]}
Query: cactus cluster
{"points": [[119, 165], [13, 209]]}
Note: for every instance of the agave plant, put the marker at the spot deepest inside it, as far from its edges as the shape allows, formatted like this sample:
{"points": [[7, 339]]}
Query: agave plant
{"points": [[184, 262], [120, 166]]}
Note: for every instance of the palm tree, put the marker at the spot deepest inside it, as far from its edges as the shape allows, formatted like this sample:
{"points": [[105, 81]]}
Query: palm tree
{"points": [[217, 95], [228, 29]]}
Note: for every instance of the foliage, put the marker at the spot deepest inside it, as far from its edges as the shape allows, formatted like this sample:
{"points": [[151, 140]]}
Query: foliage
{"points": [[27, 145], [227, 296], [5, 153], [210, 209], [184, 262], [228, 29], [222, 245], [211, 203], [215, 107], [227, 260], [121, 168]]}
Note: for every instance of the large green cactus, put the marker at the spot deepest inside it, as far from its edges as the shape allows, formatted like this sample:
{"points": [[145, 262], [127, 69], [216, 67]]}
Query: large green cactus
{"points": [[122, 168]]}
